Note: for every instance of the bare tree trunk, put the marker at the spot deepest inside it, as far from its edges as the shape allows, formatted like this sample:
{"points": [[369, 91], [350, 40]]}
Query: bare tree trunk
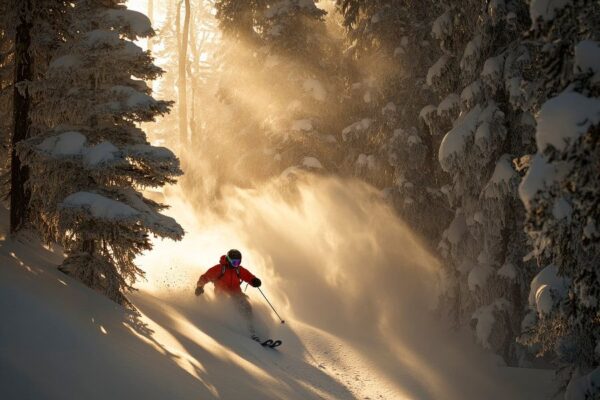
{"points": [[182, 81], [178, 26], [194, 75], [19, 197]]}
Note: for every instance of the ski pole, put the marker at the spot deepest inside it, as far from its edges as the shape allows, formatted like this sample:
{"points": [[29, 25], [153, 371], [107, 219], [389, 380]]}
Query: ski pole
{"points": [[272, 308]]}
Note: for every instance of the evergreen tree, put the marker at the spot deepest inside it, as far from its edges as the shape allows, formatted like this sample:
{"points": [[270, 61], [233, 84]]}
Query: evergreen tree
{"points": [[278, 85], [482, 81], [87, 168], [302, 71], [561, 192], [31, 32], [6, 85], [385, 144]]}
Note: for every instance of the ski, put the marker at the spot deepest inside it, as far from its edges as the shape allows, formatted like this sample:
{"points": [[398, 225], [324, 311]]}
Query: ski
{"points": [[267, 343]]}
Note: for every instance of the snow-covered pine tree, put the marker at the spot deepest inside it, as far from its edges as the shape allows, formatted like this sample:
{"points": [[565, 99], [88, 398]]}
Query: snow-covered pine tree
{"points": [[31, 33], [277, 82], [88, 167], [303, 70], [386, 144], [235, 141], [481, 80], [6, 82], [561, 193]]}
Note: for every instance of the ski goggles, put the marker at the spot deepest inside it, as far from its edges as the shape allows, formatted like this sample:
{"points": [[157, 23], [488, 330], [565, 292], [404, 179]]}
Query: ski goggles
{"points": [[234, 262]]}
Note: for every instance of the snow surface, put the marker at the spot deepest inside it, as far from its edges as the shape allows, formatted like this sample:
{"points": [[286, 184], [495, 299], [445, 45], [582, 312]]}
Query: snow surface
{"points": [[472, 51], [311, 162], [356, 127], [499, 183], [427, 112], [546, 9], [101, 153], [66, 144], [134, 22], [69, 61], [442, 26], [450, 103], [504, 170], [485, 317], [587, 56], [344, 338], [157, 222], [146, 150], [561, 209], [74, 144], [302, 125], [131, 49], [102, 38], [579, 386], [437, 69], [455, 141], [539, 176], [99, 206], [457, 228], [508, 271], [514, 87], [478, 276], [564, 118], [413, 140], [366, 161], [315, 88], [471, 92], [133, 98], [547, 289], [388, 108], [492, 70], [473, 126]]}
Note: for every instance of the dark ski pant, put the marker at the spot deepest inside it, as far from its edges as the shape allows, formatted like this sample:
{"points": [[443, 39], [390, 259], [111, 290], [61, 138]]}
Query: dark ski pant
{"points": [[245, 309]]}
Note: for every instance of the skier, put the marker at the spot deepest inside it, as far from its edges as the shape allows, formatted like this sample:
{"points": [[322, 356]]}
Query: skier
{"points": [[227, 277]]}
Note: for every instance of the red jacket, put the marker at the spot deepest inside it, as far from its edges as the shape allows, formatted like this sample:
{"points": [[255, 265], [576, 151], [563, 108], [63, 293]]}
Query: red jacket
{"points": [[230, 281]]}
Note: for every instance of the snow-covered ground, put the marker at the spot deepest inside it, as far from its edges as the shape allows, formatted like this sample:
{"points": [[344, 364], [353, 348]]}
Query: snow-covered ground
{"points": [[353, 284]]}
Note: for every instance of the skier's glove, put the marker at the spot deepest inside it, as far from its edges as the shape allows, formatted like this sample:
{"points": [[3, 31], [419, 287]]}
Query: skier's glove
{"points": [[255, 282], [199, 290]]}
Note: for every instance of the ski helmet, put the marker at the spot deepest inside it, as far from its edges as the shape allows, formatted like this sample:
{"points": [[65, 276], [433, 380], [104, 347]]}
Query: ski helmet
{"points": [[234, 257]]}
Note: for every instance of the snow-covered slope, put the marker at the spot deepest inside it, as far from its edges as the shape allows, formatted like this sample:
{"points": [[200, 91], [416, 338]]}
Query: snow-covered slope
{"points": [[352, 283]]}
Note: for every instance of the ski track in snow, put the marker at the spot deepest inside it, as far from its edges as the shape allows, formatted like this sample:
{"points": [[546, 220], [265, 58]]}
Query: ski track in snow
{"points": [[55, 330], [324, 365], [347, 366]]}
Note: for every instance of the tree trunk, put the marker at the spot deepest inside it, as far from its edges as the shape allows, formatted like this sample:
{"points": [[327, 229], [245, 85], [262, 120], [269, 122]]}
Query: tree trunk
{"points": [[183, 134], [193, 71], [19, 197]]}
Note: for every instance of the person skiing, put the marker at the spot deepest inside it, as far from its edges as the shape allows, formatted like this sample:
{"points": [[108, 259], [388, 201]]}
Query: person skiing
{"points": [[227, 277]]}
